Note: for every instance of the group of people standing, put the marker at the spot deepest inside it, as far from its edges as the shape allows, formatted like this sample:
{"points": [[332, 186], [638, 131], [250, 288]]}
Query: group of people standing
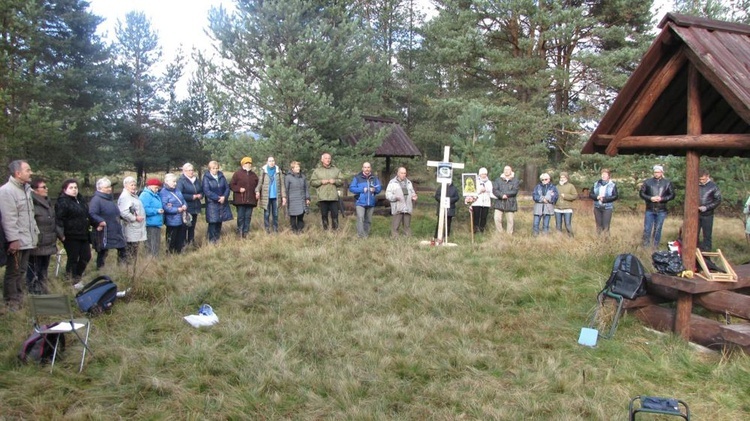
{"points": [[548, 198]]}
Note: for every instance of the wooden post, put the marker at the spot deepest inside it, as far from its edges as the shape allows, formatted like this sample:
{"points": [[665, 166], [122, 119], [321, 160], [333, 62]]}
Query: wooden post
{"points": [[692, 161]]}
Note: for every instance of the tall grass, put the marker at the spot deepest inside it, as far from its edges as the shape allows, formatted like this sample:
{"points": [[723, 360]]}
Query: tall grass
{"points": [[327, 326]]}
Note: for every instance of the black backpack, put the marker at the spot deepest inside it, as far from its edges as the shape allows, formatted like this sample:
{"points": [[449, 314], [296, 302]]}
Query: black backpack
{"points": [[97, 296], [628, 277], [40, 347]]}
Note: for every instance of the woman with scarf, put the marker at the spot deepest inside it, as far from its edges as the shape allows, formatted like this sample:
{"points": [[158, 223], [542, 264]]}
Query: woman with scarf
{"points": [[604, 194], [545, 196]]}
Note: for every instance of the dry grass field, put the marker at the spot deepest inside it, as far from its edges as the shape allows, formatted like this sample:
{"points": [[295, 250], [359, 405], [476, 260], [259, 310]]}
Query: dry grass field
{"points": [[326, 326]]}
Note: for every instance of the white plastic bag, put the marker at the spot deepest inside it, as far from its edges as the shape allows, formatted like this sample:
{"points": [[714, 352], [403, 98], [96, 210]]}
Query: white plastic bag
{"points": [[205, 317]]}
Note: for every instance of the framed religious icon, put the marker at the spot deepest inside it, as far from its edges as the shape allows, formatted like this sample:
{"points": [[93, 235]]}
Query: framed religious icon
{"points": [[469, 184]]}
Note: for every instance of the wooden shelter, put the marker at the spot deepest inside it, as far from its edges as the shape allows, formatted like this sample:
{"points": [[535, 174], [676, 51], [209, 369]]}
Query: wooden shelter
{"points": [[395, 144], [690, 96]]}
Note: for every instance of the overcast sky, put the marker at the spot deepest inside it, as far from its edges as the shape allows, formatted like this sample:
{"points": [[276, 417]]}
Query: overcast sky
{"points": [[183, 22]]}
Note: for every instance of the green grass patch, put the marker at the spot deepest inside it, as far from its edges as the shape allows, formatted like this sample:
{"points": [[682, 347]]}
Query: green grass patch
{"points": [[328, 326]]}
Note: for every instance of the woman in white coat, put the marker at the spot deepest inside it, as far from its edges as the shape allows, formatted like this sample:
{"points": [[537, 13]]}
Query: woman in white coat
{"points": [[132, 217]]}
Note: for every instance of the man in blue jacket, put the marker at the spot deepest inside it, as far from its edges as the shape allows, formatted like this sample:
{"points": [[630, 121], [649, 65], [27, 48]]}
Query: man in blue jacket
{"points": [[365, 187]]}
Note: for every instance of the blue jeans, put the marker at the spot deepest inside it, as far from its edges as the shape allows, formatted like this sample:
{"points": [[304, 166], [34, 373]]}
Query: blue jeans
{"points": [[244, 218], [565, 218], [653, 221], [364, 220], [272, 208], [544, 219]]}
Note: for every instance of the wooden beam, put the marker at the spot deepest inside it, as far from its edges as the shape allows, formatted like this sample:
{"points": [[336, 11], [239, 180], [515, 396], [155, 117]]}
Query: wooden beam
{"points": [[725, 302], [704, 141], [646, 99], [702, 330]]}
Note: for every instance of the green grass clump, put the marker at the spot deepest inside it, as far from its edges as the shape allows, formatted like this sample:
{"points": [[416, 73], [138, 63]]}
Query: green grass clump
{"points": [[328, 326]]}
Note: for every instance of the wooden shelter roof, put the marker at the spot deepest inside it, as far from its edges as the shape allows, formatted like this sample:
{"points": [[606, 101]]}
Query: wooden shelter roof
{"points": [[396, 142], [650, 114]]}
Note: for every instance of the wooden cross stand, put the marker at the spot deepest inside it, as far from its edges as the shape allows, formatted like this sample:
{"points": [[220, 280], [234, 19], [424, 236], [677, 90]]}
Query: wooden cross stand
{"points": [[444, 177]]}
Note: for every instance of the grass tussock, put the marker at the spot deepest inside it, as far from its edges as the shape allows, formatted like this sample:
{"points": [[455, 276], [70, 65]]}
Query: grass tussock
{"points": [[327, 326]]}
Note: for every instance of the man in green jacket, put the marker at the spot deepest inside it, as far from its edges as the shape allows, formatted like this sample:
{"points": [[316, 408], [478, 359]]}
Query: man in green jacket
{"points": [[327, 180]]}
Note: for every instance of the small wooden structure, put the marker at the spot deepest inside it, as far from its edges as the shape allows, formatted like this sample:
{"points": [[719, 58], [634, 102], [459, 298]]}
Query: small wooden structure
{"points": [[395, 144], [689, 96]]}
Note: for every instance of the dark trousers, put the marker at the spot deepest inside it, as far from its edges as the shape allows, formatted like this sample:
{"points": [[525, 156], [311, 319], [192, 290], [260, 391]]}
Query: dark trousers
{"points": [[297, 222], [15, 274], [332, 207], [603, 218], [131, 250], [101, 257], [480, 217], [175, 238], [78, 257], [190, 231], [244, 218], [706, 226], [36, 275], [214, 231]]}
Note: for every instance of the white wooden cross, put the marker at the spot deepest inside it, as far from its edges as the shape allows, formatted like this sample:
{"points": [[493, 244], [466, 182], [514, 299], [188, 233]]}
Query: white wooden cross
{"points": [[444, 177]]}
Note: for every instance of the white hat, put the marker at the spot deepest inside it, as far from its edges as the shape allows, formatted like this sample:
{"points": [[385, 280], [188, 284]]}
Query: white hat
{"points": [[483, 170], [658, 168]]}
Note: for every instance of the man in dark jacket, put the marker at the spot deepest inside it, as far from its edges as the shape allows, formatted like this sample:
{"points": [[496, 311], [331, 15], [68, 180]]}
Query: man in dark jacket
{"points": [[451, 192], [710, 198], [656, 192], [243, 184]]}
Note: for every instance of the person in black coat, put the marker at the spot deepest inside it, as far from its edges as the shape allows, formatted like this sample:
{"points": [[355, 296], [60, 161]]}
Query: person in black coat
{"points": [[216, 191], [452, 194], [72, 217], [105, 216], [191, 188]]}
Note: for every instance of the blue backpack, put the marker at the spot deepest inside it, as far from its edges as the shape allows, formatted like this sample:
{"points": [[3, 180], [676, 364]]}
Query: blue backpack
{"points": [[97, 296]]}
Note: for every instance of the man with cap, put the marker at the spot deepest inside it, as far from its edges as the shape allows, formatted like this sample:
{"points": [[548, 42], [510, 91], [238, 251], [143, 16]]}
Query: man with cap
{"points": [[656, 192], [243, 184]]}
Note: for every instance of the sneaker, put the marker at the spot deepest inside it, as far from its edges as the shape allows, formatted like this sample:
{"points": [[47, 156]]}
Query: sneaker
{"points": [[78, 285], [121, 294]]}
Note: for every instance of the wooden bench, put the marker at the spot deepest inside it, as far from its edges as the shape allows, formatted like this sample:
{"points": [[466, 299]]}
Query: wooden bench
{"points": [[724, 298]]}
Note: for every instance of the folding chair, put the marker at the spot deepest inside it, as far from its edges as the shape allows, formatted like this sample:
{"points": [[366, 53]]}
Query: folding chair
{"points": [[59, 305], [659, 406]]}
